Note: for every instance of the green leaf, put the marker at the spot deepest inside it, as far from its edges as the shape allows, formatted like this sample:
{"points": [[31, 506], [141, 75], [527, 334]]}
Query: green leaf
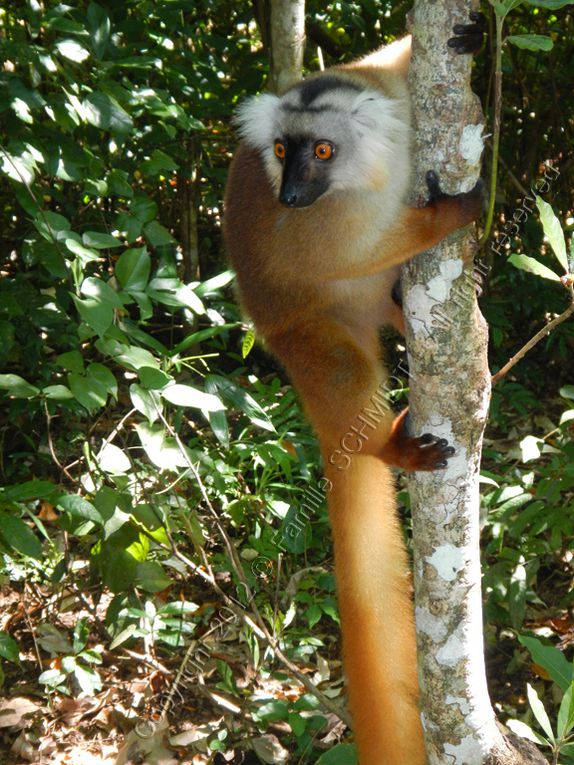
{"points": [[566, 714], [100, 28], [341, 754], [220, 427], [531, 42], [29, 490], [17, 535], [151, 577], [85, 254], [136, 358], [57, 392], [52, 226], [100, 241], [147, 402], [118, 183], [153, 378], [156, 234], [533, 266], [52, 678], [97, 314], [553, 232], [87, 391], [100, 374], [567, 391], [72, 360], [517, 595], [248, 343], [133, 269], [159, 163], [240, 399], [553, 660], [105, 113], [17, 387], [9, 648], [186, 395], [504, 7], [78, 507], [550, 5], [143, 208], [539, 712], [195, 338]]}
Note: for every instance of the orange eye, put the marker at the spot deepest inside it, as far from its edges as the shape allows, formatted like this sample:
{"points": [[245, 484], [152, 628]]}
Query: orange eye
{"points": [[280, 150], [324, 150]]}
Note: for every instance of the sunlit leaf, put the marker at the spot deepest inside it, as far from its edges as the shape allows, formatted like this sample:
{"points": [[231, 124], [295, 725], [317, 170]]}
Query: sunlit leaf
{"points": [[525, 731], [72, 50], [186, 395], [553, 232], [539, 712], [533, 266], [112, 459]]}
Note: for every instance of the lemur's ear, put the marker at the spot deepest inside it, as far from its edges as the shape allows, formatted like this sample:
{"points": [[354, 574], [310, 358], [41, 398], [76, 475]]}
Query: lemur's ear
{"points": [[255, 118]]}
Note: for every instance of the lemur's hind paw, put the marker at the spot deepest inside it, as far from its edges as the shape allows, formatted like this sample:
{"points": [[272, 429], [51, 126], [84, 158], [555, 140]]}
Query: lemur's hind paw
{"points": [[468, 37], [426, 452]]}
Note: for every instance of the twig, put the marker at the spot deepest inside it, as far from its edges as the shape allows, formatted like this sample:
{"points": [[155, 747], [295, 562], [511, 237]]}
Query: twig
{"points": [[495, 131], [532, 342]]}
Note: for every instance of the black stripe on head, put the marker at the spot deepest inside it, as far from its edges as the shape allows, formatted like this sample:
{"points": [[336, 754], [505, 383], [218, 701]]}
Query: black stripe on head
{"points": [[315, 87]]}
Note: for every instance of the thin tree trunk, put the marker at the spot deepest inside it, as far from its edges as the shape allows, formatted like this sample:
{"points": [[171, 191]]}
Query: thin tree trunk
{"points": [[450, 391], [287, 43]]}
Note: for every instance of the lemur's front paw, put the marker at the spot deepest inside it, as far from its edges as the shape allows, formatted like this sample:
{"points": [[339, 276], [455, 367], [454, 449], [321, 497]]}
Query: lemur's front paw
{"points": [[468, 37], [469, 202]]}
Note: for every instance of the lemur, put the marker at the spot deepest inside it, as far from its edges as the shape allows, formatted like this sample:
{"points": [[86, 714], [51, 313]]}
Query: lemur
{"points": [[316, 227]]}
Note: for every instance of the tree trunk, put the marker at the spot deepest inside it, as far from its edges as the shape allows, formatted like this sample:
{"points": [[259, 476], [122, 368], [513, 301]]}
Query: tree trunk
{"points": [[287, 43], [450, 390]]}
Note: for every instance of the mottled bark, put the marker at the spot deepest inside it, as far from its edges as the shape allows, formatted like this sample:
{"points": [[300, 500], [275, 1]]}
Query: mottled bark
{"points": [[450, 391], [287, 43]]}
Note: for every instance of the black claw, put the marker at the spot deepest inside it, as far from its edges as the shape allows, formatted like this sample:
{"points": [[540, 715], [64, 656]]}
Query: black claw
{"points": [[441, 465], [433, 186], [427, 439], [397, 294], [468, 36], [442, 442], [449, 451]]}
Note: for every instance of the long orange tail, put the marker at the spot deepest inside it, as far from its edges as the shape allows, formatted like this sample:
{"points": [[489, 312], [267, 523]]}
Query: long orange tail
{"points": [[379, 649]]}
